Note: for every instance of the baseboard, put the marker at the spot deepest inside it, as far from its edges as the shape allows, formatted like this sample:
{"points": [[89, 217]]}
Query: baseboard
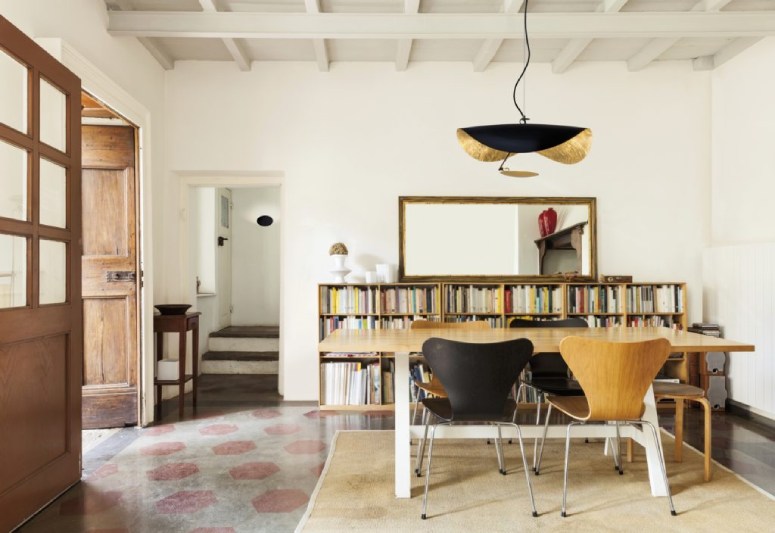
{"points": [[745, 411]]}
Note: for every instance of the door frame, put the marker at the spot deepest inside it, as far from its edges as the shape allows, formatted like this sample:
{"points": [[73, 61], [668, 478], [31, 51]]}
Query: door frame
{"points": [[99, 85], [227, 179]]}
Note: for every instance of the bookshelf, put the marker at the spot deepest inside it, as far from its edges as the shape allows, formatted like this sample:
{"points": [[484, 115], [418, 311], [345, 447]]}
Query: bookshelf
{"points": [[364, 381]]}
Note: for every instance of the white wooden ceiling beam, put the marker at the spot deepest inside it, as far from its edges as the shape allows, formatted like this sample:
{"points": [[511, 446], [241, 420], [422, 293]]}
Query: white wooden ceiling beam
{"points": [[439, 26], [725, 54], [235, 48], [575, 47], [490, 47], [404, 46], [656, 47], [162, 57], [318, 45]]}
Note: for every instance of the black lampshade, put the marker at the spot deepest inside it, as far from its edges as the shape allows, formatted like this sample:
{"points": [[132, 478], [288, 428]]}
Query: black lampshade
{"points": [[564, 144]]}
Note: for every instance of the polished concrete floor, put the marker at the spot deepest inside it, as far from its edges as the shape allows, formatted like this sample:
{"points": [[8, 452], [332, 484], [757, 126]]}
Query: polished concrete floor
{"points": [[247, 461]]}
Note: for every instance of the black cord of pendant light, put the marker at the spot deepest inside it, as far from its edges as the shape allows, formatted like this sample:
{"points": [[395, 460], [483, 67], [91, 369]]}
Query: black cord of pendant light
{"points": [[524, 119]]}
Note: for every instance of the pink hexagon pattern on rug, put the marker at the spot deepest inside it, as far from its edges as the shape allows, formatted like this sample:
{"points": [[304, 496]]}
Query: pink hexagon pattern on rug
{"points": [[213, 530], [186, 501], [317, 470], [280, 501], [162, 448], [159, 430], [254, 470], [266, 413], [219, 429], [282, 429], [305, 446], [234, 447], [108, 469], [91, 502], [172, 471], [321, 414]]}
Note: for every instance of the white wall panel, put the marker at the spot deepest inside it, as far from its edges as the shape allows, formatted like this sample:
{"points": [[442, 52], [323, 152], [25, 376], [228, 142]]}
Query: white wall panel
{"points": [[739, 294]]}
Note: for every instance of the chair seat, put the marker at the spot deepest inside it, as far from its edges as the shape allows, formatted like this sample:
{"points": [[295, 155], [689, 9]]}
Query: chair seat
{"points": [[574, 406], [560, 386], [432, 387], [443, 409], [666, 389]]}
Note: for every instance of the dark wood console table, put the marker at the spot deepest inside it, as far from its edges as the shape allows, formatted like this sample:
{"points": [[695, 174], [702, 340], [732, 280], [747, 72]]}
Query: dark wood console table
{"points": [[180, 324]]}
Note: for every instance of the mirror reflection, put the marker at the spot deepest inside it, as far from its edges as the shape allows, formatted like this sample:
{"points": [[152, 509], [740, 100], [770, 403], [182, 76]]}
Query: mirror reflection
{"points": [[496, 238]]}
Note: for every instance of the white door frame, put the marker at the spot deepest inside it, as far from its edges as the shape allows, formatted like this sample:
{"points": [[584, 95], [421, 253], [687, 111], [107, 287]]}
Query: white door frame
{"points": [[227, 179], [96, 83]]}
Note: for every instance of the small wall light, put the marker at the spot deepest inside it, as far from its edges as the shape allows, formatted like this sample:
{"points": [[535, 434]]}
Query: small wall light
{"points": [[264, 220]]}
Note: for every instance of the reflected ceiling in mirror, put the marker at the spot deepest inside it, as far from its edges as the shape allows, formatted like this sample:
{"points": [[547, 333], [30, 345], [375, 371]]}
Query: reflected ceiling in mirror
{"points": [[476, 238]]}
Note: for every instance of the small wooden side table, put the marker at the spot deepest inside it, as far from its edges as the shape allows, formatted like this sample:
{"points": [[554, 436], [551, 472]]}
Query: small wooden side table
{"points": [[180, 324]]}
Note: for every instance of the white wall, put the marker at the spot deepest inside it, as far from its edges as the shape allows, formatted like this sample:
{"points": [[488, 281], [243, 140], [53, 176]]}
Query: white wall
{"points": [[255, 257], [350, 141], [738, 269]]}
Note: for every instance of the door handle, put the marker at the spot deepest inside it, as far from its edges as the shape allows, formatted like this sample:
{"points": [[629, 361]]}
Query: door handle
{"points": [[121, 275]]}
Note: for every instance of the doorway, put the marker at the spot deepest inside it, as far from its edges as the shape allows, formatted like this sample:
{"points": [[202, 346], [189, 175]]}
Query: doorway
{"points": [[233, 263]]}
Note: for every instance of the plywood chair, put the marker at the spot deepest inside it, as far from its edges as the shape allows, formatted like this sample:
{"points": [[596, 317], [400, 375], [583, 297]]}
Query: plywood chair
{"points": [[615, 377], [434, 387], [477, 379], [680, 392]]}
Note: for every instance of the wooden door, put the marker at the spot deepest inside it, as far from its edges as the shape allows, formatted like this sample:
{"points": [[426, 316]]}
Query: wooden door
{"points": [[41, 343], [110, 275]]}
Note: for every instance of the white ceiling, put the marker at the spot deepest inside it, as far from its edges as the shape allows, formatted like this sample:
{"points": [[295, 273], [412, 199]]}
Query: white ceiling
{"points": [[480, 32]]}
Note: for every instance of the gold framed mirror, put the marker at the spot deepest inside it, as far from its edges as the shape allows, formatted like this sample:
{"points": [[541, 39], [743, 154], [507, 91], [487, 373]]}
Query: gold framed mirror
{"points": [[496, 239]]}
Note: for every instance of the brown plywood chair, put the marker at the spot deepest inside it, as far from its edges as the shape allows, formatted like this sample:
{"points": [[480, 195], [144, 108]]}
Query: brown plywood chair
{"points": [[614, 377]]}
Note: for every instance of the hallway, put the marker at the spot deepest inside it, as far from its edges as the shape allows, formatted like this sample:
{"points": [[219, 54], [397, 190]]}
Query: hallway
{"points": [[248, 462]]}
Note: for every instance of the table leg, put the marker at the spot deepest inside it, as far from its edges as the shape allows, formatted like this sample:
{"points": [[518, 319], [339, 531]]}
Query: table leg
{"points": [[194, 363], [401, 396], [652, 455], [181, 371], [159, 356]]}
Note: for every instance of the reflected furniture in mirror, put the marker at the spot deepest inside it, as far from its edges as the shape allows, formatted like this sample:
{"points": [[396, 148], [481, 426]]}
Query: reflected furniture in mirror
{"points": [[477, 238]]}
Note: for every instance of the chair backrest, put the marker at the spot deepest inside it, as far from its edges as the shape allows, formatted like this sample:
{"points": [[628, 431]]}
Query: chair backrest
{"points": [[548, 364], [477, 376], [427, 324], [614, 375]]}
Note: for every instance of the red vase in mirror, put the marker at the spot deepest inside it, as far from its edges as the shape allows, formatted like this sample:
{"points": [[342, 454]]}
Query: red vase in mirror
{"points": [[550, 221]]}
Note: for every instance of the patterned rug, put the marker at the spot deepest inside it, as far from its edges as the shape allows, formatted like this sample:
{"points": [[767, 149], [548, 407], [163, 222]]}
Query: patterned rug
{"points": [[355, 492], [247, 471]]}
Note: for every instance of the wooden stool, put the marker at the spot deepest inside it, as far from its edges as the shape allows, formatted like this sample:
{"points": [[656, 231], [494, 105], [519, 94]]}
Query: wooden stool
{"points": [[680, 392]]}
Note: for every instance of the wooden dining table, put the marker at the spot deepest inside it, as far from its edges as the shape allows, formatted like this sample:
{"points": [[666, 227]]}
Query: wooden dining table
{"points": [[402, 342]]}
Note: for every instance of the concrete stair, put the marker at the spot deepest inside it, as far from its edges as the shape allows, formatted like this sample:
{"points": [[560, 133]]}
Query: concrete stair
{"points": [[242, 350]]}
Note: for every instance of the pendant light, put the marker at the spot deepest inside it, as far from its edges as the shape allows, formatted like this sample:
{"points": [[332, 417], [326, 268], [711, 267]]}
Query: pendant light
{"points": [[498, 142]]}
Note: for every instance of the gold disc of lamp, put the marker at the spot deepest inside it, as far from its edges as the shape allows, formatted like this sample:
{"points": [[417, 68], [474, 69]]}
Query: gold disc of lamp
{"points": [[498, 142]]}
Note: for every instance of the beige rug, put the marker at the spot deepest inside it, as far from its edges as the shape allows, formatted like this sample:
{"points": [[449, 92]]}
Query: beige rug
{"points": [[355, 492]]}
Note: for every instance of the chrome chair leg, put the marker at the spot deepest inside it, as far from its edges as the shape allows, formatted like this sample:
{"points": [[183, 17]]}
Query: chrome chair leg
{"points": [[428, 473], [539, 401], [499, 451], [524, 466], [421, 445], [516, 406], [618, 452], [537, 465], [565, 476], [662, 465]]}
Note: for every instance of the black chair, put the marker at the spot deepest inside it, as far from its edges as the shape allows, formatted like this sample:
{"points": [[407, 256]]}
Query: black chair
{"points": [[477, 378], [548, 375]]}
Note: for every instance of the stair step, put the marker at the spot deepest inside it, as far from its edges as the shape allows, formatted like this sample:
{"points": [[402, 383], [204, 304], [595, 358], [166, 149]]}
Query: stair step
{"points": [[236, 332], [243, 344], [231, 366], [240, 356]]}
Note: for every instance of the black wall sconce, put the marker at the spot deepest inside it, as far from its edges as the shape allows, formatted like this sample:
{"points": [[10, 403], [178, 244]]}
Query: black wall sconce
{"points": [[221, 240], [264, 220]]}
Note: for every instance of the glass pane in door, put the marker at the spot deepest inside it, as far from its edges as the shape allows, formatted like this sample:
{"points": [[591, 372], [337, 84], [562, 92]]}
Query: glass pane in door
{"points": [[53, 194], [53, 272], [13, 87], [53, 116], [13, 271], [13, 181]]}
